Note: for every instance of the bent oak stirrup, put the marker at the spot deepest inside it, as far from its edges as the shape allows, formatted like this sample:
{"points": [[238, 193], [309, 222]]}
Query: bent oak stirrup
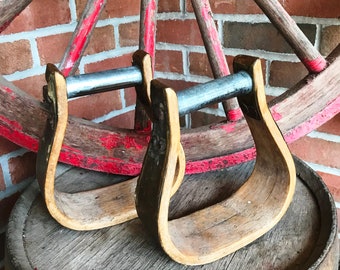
{"points": [[86, 210], [218, 230]]}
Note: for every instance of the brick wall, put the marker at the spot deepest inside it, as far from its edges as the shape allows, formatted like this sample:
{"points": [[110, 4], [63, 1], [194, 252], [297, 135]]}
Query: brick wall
{"points": [[40, 34]]}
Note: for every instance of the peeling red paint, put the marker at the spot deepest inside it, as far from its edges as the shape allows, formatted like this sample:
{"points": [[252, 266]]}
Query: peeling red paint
{"points": [[276, 115], [150, 28], [130, 142], [11, 123], [214, 38], [102, 164], [316, 65], [109, 142], [80, 39], [9, 91], [316, 120], [114, 141], [200, 166], [12, 131], [228, 127]]}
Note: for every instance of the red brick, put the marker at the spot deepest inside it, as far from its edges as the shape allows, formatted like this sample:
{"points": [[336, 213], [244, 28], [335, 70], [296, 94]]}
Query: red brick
{"points": [[114, 9], [330, 38], [94, 106], [332, 126], [179, 32], [22, 167], [199, 119], [286, 74], [313, 8], [199, 64], [32, 85], [6, 206], [234, 7], [109, 63], [169, 61], [317, 151], [129, 34], [261, 36], [231, 7], [125, 120], [168, 6], [15, 56], [333, 183], [52, 48], [310, 8], [40, 13], [7, 146], [177, 85], [2, 180], [130, 96], [102, 39]]}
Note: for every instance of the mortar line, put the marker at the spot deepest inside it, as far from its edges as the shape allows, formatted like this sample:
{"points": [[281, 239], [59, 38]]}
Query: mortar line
{"points": [[323, 168], [318, 36], [62, 28], [73, 10], [113, 114], [35, 52], [324, 136], [185, 62], [12, 189], [182, 6], [122, 98], [6, 173], [291, 57]]}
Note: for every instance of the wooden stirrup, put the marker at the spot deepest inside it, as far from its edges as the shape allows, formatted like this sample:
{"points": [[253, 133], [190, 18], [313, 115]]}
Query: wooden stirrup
{"points": [[85, 210], [213, 232]]}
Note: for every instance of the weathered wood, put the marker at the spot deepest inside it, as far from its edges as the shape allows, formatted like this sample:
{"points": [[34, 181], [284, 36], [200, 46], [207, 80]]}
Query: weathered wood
{"points": [[213, 46], [303, 48], [121, 151], [305, 238], [80, 38], [216, 231], [144, 61], [91, 209], [147, 43], [9, 10], [85, 210]]}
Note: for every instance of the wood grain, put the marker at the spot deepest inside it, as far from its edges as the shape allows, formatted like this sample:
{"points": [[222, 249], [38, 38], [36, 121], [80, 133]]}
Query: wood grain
{"points": [[147, 43], [305, 238], [216, 231], [79, 40], [85, 210], [9, 10], [93, 208], [102, 148], [303, 48], [213, 47], [121, 151]]}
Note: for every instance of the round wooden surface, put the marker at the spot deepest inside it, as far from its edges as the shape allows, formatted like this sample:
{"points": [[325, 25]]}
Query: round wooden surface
{"points": [[305, 238]]}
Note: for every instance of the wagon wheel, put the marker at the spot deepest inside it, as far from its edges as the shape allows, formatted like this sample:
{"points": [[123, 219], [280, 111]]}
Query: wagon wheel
{"points": [[121, 151]]}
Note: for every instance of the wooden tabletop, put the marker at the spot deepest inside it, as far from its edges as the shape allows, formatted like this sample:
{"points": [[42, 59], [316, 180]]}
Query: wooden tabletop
{"points": [[306, 236]]}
